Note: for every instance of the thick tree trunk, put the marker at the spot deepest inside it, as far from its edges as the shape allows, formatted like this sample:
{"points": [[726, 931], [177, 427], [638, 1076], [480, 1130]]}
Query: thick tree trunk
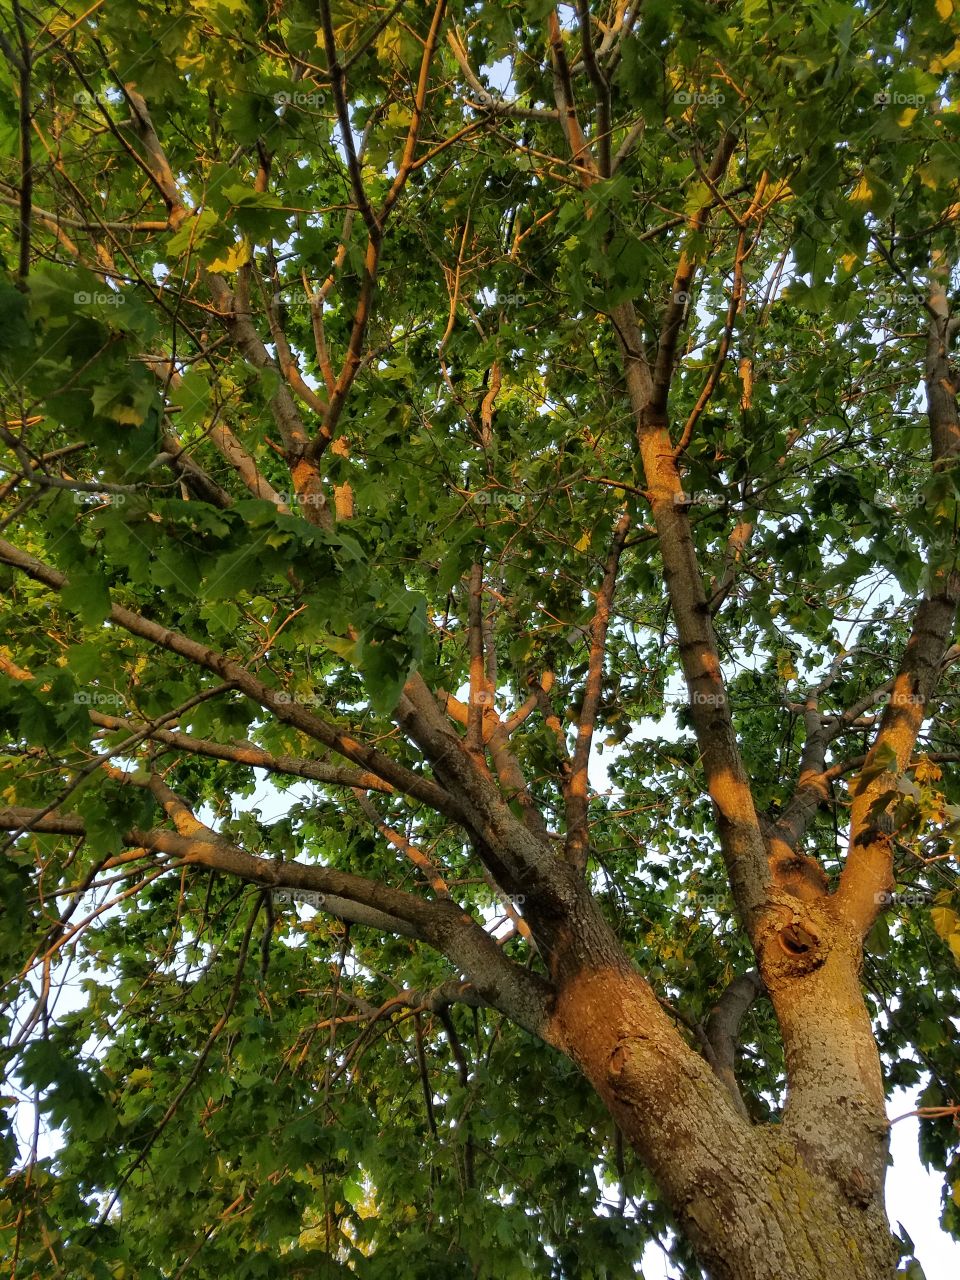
{"points": [[756, 1203]]}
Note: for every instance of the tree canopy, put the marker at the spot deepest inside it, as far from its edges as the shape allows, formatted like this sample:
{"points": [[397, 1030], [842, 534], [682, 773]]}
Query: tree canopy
{"points": [[479, 515]]}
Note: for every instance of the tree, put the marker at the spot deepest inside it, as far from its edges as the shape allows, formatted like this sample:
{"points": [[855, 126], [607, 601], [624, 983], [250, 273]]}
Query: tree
{"points": [[397, 400]]}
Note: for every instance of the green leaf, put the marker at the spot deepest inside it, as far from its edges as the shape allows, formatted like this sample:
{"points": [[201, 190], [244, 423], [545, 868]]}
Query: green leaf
{"points": [[88, 595]]}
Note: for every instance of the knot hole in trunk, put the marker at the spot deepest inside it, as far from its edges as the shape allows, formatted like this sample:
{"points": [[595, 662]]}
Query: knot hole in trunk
{"points": [[797, 941]]}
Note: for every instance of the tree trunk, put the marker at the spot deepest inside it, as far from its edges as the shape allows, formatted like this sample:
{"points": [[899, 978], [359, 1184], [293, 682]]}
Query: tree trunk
{"points": [[755, 1202]]}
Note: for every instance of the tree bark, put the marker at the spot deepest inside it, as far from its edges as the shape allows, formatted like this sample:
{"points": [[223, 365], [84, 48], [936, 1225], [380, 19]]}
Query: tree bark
{"points": [[755, 1202], [802, 1198]]}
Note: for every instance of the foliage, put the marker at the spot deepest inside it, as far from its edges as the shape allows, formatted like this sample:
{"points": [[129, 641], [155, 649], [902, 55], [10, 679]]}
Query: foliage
{"points": [[242, 1085]]}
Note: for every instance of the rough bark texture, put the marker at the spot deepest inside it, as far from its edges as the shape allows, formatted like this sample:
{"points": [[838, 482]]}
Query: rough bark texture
{"points": [[756, 1203], [802, 1198]]}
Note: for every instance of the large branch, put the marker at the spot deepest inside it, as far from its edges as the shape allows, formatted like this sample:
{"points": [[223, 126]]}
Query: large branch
{"points": [[157, 164], [790, 869], [344, 744], [741, 839], [566, 103], [520, 858], [519, 994], [722, 1029], [496, 738], [601, 87], [867, 876], [815, 776]]}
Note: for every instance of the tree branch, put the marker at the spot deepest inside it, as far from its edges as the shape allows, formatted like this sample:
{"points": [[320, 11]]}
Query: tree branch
{"points": [[276, 701], [722, 1029], [480, 696], [249, 754], [515, 992], [375, 221], [498, 106], [868, 872], [521, 859], [679, 304], [741, 839], [566, 103], [600, 86], [578, 781], [420, 860]]}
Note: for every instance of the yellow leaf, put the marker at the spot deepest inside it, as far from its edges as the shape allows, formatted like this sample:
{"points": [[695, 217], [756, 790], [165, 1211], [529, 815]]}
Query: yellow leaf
{"points": [[944, 8], [949, 61], [947, 924], [785, 665], [397, 117], [906, 116], [389, 46], [345, 33], [233, 259], [945, 921], [862, 193], [927, 771], [584, 542]]}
